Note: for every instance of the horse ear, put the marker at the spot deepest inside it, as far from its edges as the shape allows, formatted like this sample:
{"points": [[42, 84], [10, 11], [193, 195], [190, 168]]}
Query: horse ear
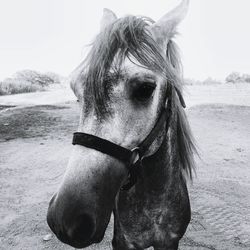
{"points": [[165, 27], [108, 17]]}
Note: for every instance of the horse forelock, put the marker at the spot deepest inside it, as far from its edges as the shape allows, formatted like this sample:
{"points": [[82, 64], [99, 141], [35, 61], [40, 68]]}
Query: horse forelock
{"points": [[127, 37]]}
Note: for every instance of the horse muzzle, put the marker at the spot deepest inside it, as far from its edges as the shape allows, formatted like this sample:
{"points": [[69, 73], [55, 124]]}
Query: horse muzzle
{"points": [[75, 227], [80, 211]]}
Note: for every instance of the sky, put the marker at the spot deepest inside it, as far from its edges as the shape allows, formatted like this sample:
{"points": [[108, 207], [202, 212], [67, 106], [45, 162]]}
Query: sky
{"points": [[53, 35]]}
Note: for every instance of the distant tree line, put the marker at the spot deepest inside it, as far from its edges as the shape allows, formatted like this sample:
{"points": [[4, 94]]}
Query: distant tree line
{"points": [[234, 77], [31, 81]]}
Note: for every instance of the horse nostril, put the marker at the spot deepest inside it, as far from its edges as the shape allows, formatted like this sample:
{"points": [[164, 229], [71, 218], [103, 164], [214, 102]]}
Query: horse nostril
{"points": [[83, 229]]}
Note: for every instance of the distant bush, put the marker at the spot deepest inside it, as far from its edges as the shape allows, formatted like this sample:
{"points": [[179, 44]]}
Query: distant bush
{"points": [[246, 78], [28, 81], [34, 77], [236, 77], [13, 86]]}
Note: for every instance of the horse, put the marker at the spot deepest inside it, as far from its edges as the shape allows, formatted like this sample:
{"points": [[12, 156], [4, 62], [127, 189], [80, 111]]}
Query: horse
{"points": [[133, 151]]}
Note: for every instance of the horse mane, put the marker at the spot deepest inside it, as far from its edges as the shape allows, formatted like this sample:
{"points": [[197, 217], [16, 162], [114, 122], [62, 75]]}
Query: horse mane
{"points": [[186, 144], [129, 37], [185, 141]]}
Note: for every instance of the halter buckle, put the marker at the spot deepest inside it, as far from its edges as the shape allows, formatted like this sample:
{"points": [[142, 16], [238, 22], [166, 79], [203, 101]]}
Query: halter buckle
{"points": [[135, 156]]}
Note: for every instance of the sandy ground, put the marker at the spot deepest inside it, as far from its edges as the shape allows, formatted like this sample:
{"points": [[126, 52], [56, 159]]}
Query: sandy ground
{"points": [[35, 143]]}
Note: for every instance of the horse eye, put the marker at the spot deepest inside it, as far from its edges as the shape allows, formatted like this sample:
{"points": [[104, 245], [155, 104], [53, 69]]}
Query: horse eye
{"points": [[144, 92]]}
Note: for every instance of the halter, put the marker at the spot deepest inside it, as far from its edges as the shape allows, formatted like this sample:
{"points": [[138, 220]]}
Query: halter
{"points": [[132, 158]]}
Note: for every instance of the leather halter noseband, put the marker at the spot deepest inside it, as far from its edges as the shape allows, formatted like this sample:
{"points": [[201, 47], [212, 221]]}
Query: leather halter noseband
{"points": [[131, 158]]}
